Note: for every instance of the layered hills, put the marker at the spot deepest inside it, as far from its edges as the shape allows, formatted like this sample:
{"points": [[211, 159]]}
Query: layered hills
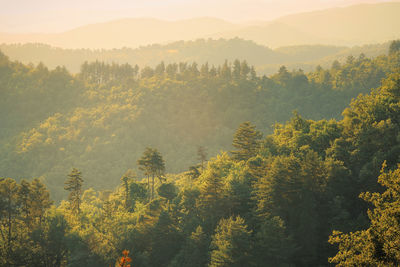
{"points": [[354, 25], [215, 52]]}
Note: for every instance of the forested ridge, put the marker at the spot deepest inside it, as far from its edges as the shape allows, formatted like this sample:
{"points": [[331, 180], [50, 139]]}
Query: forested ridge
{"points": [[264, 59], [274, 196], [101, 119]]}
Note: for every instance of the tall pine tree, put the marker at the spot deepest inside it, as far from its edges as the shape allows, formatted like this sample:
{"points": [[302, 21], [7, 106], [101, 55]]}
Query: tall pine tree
{"points": [[246, 140], [74, 185], [153, 165], [231, 244]]}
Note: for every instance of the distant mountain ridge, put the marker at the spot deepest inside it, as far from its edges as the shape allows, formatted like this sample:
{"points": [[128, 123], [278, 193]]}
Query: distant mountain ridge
{"points": [[354, 25], [215, 52], [130, 32], [363, 23]]}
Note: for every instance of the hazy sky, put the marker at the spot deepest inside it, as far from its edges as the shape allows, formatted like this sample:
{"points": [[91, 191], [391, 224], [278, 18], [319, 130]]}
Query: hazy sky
{"points": [[60, 15]]}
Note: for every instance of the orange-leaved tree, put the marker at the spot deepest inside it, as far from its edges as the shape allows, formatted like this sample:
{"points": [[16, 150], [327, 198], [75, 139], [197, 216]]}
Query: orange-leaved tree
{"points": [[125, 260]]}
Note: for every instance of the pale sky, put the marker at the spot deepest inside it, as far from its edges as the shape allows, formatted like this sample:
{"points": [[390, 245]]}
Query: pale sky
{"points": [[60, 15]]}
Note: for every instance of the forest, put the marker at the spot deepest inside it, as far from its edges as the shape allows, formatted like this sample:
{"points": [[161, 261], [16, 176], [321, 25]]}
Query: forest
{"points": [[187, 164], [212, 51]]}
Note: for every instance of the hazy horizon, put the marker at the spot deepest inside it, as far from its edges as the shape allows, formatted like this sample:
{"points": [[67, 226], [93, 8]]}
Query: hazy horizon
{"points": [[45, 16]]}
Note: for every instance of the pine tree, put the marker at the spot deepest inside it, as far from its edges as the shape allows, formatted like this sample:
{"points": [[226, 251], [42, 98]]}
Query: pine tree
{"points": [[74, 185], [394, 47], [153, 165], [193, 172], [236, 70], [39, 200], [202, 156], [211, 201], [231, 244], [126, 180], [194, 252], [246, 140], [9, 212], [166, 240], [244, 69], [24, 192]]}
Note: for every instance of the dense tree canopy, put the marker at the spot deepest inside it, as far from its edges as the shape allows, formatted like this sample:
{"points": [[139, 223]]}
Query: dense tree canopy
{"points": [[111, 112], [275, 201], [379, 245]]}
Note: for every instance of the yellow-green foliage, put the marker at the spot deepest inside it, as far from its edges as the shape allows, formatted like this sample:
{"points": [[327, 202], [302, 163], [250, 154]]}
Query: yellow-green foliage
{"points": [[277, 205], [102, 118], [379, 244]]}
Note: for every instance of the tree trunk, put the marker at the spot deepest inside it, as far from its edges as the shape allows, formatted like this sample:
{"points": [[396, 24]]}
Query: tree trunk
{"points": [[148, 187], [152, 187]]}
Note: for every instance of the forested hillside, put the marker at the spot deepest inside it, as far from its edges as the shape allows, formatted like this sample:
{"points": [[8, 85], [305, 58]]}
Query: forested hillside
{"points": [[101, 119], [265, 60], [273, 197]]}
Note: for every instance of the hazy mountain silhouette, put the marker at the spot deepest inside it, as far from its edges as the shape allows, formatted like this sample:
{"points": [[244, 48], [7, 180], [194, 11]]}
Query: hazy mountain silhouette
{"points": [[354, 25]]}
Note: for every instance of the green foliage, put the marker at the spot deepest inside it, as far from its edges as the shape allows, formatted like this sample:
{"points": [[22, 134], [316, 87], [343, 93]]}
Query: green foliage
{"points": [[212, 201], [52, 240], [272, 245], [246, 141], [137, 193], [10, 223], [231, 244], [394, 47], [102, 118], [74, 185], [215, 52], [193, 172], [152, 164], [274, 202], [292, 189], [379, 244], [166, 240], [29, 234], [194, 252], [167, 190]]}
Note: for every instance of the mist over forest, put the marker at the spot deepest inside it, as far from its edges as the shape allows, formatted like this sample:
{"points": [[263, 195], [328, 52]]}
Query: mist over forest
{"points": [[203, 142]]}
